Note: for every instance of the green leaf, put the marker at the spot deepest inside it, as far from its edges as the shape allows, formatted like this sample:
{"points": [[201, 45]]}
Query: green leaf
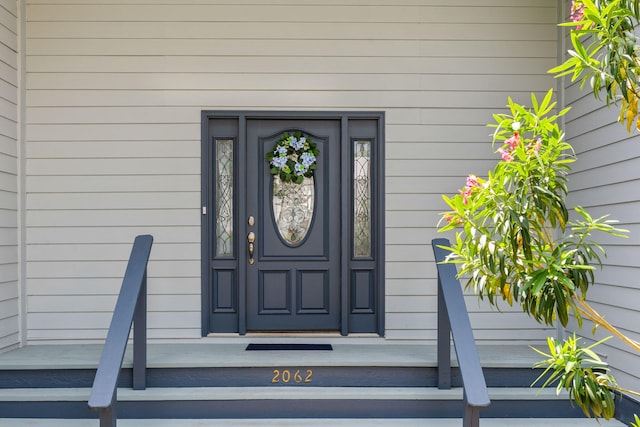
{"points": [[545, 106], [565, 68], [580, 51], [538, 279]]}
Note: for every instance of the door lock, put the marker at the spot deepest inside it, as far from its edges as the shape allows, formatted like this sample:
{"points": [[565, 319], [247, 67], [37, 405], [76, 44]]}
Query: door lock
{"points": [[251, 237]]}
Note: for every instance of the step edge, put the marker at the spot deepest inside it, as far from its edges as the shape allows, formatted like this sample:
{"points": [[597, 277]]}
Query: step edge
{"points": [[276, 393]]}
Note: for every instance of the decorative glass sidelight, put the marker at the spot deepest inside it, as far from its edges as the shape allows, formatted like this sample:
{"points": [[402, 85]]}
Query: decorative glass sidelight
{"points": [[362, 198], [224, 197], [293, 208]]}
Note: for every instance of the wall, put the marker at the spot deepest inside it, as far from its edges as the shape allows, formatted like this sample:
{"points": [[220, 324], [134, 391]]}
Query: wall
{"points": [[114, 99], [9, 291], [606, 181]]}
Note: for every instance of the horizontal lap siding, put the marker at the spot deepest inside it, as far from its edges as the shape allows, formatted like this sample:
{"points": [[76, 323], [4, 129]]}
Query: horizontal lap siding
{"points": [[114, 95], [606, 181], [9, 291]]}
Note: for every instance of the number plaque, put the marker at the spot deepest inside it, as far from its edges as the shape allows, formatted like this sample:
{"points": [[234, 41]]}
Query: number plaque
{"points": [[291, 376]]}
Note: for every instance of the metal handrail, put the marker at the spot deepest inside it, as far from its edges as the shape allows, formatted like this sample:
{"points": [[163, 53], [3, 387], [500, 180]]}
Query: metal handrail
{"points": [[131, 308], [453, 321]]}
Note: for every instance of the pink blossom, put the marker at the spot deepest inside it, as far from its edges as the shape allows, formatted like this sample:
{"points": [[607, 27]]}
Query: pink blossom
{"points": [[537, 145], [577, 12], [472, 181], [506, 155], [466, 193], [514, 140], [453, 219]]}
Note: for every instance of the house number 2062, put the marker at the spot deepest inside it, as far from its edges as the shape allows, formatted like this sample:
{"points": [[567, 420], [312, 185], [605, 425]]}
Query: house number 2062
{"points": [[288, 376]]}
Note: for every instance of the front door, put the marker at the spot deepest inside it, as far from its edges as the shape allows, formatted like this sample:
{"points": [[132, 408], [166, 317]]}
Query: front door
{"points": [[293, 271], [296, 248]]}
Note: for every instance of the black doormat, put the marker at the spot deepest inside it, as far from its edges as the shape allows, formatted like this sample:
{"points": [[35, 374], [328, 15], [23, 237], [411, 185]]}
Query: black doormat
{"points": [[253, 347]]}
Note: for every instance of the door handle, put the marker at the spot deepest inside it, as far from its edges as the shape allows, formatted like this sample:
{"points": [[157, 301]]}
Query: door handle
{"points": [[251, 237]]}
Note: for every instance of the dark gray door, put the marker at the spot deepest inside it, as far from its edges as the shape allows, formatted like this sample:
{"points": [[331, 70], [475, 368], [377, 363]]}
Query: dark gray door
{"points": [[293, 267], [318, 255]]}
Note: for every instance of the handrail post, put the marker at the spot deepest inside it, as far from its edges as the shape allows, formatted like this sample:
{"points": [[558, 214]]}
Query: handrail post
{"points": [[453, 321], [444, 342], [130, 310], [471, 413], [140, 338], [108, 416]]}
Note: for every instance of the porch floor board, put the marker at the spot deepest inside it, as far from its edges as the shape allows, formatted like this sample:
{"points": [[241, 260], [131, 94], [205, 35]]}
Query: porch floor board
{"points": [[196, 355]]}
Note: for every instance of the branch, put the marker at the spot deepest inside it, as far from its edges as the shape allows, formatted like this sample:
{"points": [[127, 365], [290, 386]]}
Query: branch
{"points": [[587, 311]]}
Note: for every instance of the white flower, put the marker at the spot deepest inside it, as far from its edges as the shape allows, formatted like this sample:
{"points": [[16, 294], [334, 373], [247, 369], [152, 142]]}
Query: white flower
{"points": [[515, 126]]}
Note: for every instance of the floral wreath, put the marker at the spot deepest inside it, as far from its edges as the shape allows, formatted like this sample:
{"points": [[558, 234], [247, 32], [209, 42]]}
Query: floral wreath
{"points": [[293, 157]]}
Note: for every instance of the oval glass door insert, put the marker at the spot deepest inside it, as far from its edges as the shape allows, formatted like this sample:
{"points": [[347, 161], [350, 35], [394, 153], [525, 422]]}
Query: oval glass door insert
{"points": [[293, 208]]}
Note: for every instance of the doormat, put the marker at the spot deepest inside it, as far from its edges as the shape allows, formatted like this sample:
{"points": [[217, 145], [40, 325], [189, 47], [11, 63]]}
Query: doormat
{"points": [[263, 347]]}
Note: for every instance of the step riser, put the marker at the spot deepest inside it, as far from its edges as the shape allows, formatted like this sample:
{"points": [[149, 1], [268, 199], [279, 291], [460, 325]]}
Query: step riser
{"points": [[308, 408], [321, 376]]}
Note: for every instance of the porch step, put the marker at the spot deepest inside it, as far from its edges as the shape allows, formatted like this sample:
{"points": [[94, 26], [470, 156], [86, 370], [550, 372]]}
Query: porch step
{"points": [[368, 422], [208, 365], [225, 382], [289, 402]]}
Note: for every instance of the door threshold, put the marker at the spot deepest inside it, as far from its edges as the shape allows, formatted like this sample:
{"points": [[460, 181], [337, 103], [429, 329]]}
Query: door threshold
{"points": [[323, 334], [294, 334], [295, 337]]}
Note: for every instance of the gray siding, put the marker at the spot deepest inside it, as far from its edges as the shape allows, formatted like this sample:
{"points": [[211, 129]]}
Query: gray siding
{"points": [[9, 291], [606, 180], [114, 99]]}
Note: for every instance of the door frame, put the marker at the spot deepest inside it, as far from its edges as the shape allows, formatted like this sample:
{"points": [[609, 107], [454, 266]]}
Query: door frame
{"points": [[351, 268]]}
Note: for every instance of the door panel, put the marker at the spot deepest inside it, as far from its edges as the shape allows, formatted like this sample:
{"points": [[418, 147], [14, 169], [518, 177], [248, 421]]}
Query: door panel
{"points": [[294, 287]]}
